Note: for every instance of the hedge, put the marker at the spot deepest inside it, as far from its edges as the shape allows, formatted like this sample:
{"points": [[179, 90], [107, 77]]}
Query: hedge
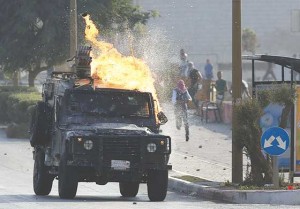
{"points": [[16, 104], [17, 89], [19, 106]]}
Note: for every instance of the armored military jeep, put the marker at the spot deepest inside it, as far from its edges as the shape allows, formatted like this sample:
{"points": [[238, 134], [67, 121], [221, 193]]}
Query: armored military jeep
{"points": [[86, 134]]}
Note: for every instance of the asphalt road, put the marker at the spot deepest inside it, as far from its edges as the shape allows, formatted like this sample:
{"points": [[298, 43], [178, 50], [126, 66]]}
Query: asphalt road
{"points": [[16, 191], [16, 188]]}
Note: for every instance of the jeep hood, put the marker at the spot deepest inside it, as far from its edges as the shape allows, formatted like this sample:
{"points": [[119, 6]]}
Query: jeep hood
{"points": [[107, 129]]}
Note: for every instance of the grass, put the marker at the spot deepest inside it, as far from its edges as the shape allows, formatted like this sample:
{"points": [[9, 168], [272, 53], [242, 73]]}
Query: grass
{"points": [[285, 186], [191, 179]]}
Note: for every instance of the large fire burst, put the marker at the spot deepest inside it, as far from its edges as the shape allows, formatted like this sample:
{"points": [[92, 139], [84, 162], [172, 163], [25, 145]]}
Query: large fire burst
{"points": [[111, 69]]}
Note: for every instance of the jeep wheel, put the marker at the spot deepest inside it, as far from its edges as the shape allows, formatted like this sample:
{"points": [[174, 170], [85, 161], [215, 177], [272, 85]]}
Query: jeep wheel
{"points": [[129, 189], [157, 184], [67, 180], [42, 181]]}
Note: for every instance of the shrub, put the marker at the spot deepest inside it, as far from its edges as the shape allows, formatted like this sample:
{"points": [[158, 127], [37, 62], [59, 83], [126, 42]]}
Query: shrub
{"points": [[249, 132], [14, 130], [19, 105], [16, 105], [248, 113], [7, 93], [17, 89], [3, 107]]}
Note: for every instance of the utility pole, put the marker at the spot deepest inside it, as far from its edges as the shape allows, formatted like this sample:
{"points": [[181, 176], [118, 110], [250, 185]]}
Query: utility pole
{"points": [[237, 153], [73, 28]]}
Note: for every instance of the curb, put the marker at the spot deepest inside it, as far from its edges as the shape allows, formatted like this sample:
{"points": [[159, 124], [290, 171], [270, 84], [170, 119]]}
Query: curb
{"points": [[286, 197]]}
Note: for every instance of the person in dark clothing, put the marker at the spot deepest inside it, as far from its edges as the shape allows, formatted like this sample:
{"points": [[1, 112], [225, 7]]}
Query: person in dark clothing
{"points": [[195, 78], [180, 98], [208, 69], [221, 88]]}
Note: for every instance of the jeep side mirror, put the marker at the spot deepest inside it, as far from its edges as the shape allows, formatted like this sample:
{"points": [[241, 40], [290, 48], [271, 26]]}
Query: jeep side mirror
{"points": [[162, 118]]}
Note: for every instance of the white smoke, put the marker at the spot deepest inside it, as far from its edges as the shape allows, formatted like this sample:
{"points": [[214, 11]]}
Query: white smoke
{"points": [[152, 46]]}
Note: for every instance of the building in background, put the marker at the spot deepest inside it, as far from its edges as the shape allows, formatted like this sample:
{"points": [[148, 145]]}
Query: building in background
{"points": [[204, 27]]}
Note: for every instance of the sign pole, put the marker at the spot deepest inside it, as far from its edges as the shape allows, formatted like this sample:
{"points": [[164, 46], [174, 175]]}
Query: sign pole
{"points": [[275, 178]]}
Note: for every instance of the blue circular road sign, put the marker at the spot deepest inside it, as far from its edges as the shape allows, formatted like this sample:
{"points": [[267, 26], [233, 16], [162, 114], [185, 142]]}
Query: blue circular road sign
{"points": [[275, 141]]}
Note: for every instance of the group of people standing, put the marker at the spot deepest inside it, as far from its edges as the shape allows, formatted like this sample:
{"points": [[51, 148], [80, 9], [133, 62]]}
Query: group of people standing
{"points": [[194, 79], [192, 86]]}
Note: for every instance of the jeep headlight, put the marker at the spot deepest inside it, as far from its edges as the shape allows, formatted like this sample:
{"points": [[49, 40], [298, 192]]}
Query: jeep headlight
{"points": [[151, 147], [88, 144]]}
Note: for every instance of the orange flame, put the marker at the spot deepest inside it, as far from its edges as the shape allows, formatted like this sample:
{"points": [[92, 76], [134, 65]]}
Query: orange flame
{"points": [[111, 69]]}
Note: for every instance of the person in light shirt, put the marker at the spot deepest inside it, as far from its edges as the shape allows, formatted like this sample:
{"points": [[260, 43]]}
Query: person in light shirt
{"points": [[180, 98], [183, 68]]}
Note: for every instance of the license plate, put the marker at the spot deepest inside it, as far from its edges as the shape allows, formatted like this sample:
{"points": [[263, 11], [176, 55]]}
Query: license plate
{"points": [[120, 164]]}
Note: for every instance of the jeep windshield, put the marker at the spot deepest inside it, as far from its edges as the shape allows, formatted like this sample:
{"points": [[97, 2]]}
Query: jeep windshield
{"points": [[109, 104]]}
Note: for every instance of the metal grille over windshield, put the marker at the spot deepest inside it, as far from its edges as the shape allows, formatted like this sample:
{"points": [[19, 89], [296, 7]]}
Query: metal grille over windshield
{"points": [[110, 104]]}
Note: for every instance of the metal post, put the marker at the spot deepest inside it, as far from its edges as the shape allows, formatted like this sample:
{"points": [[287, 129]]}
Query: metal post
{"points": [[73, 27], [253, 79], [237, 154], [292, 145], [275, 178]]}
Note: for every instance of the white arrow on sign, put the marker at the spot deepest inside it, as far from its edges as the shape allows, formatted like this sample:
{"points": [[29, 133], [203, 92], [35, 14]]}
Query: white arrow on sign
{"points": [[281, 143], [268, 142]]}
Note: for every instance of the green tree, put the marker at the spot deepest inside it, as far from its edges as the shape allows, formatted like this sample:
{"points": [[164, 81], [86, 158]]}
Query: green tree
{"points": [[35, 34], [249, 40]]}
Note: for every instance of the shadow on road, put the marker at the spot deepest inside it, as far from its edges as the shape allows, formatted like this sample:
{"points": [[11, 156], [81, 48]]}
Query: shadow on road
{"points": [[19, 198]]}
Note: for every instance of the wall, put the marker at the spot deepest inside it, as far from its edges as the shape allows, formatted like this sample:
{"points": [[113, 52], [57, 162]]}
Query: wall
{"points": [[203, 27]]}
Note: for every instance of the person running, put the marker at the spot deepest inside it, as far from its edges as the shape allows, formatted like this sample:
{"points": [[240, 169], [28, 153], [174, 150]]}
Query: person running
{"points": [[269, 71], [245, 93], [245, 90], [180, 98]]}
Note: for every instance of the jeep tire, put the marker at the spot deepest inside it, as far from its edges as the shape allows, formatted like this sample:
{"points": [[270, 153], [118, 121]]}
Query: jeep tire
{"points": [[129, 189], [42, 180], [157, 184], [67, 180]]}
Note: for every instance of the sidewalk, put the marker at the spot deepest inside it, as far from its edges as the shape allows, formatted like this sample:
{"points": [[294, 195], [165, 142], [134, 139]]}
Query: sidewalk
{"points": [[205, 161]]}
